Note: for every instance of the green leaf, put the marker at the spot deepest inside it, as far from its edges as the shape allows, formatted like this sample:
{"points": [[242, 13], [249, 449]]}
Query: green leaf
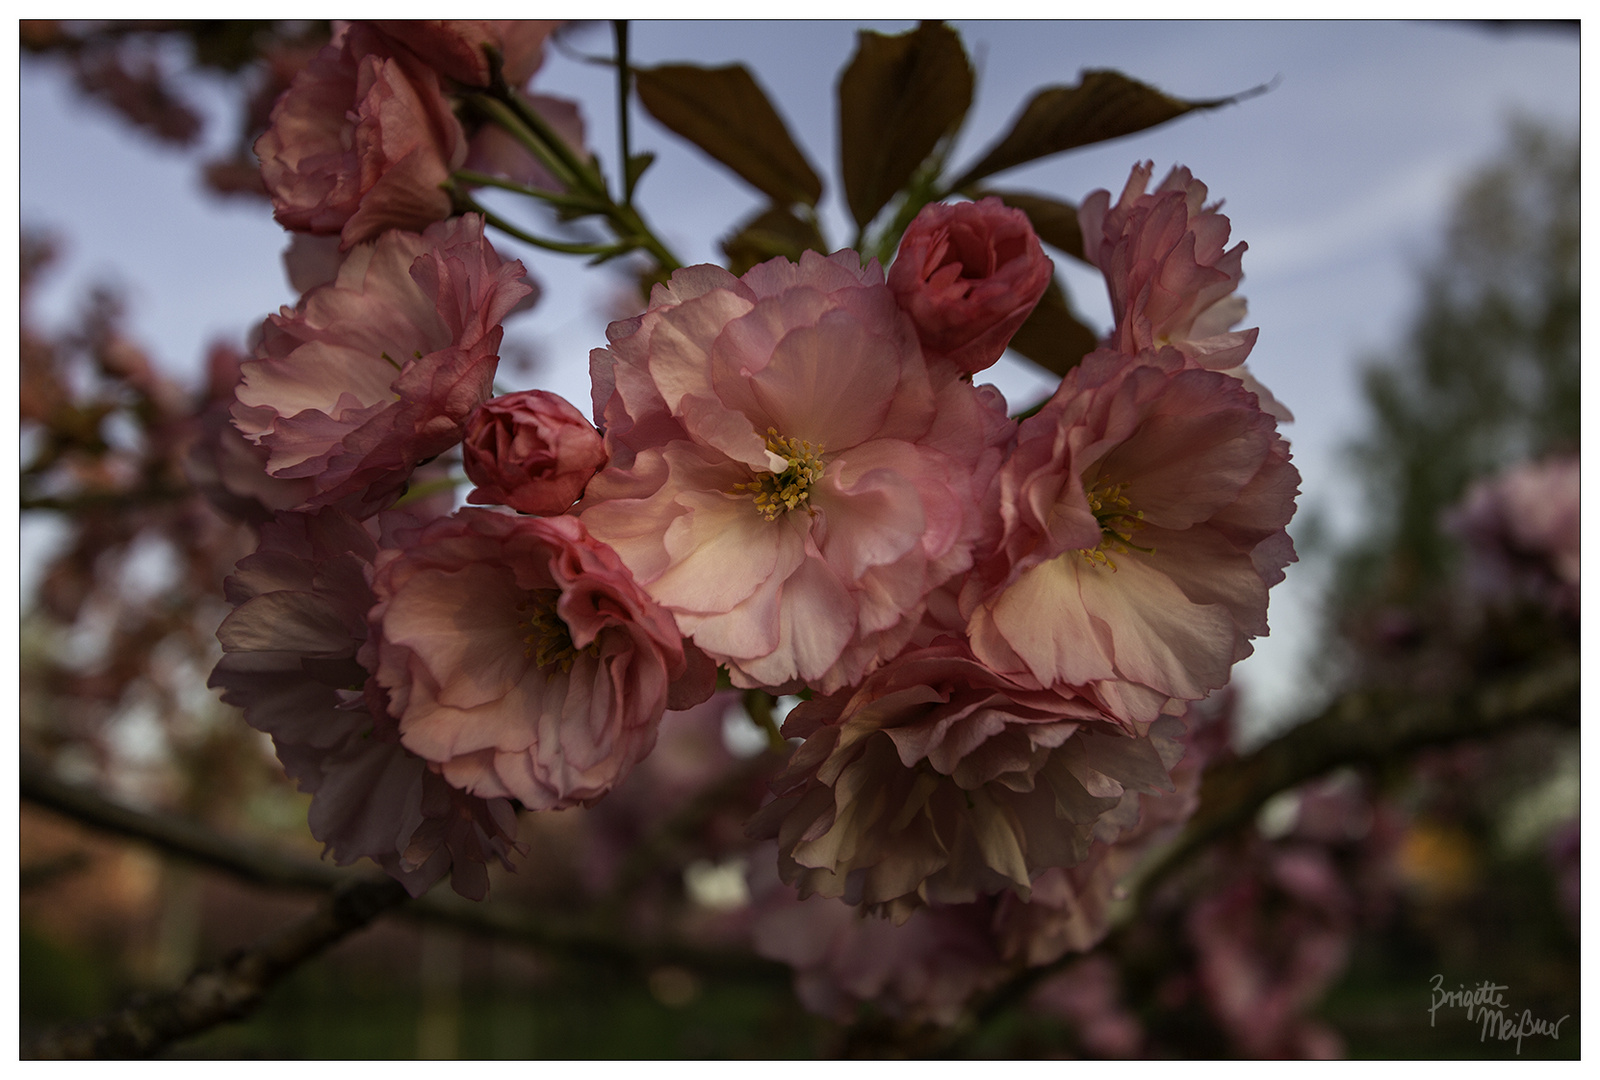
{"points": [[1056, 222], [773, 232], [1105, 105], [897, 98], [725, 113], [1053, 337]]}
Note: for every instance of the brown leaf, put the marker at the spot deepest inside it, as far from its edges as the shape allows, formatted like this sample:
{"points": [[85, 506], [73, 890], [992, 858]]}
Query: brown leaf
{"points": [[725, 113], [1105, 105], [897, 98], [1053, 337], [773, 232], [1056, 222]]}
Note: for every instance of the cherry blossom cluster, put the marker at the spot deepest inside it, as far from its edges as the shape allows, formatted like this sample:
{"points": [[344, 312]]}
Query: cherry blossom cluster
{"points": [[1000, 626]]}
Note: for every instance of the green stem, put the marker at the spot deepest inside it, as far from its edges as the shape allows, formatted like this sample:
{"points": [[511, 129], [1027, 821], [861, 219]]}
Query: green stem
{"points": [[532, 140], [583, 181], [758, 703], [624, 93], [468, 203], [432, 487], [554, 198]]}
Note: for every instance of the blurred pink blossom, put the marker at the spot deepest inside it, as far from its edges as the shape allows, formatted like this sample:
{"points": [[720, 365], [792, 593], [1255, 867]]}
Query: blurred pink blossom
{"points": [[361, 141], [519, 656], [531, 451], [454, 47], [1144, 513], [1522, 531], [379, 369], [789, 476], [1088, 994], [1269, 944], [969, 274], [290, 659]]}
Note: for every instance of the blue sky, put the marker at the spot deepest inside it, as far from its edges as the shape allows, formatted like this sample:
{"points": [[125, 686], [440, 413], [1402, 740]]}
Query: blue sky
{"points": [[1338, 179]]}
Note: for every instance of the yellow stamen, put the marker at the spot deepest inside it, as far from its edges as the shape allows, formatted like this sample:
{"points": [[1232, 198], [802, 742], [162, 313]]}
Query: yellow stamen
{"points": [[779, 492], [548, 640], [1118, 522]]}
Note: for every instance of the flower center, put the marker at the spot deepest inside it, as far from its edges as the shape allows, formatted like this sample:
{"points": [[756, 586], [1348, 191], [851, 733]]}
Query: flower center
{"points": [[1118, 522], [547, 639], [777, 493]]}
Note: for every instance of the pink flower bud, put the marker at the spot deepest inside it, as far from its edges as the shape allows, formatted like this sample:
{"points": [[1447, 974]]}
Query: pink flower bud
{"points": [[969, 274], [532, 451]]}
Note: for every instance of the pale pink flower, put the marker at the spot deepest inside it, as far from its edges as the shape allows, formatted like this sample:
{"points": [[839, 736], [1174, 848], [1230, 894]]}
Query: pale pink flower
{"points": [[224, 466], [789, 476], [1168, 268], [1069, 908], [379, 369], [361, 141], [1144, 513], [969, 274], [1522, 532], [939, 780], [531, 451], [454, 47], [1171, 281], [290, 660], [520, 657]]}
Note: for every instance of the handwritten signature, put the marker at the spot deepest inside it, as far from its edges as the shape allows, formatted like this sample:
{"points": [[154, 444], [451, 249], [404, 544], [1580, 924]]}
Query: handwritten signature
{"points": [[1491, 1009]]}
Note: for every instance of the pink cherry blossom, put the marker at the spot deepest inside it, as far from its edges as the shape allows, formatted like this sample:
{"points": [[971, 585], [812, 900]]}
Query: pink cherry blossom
{"points": [[1144, 513], [969, 274], [531, 451], [1069, 908], [789, 476], [361, 141], [379, 369], [290, 652], [939, 780], [519, 656], [1169, 270], [228, 469]]}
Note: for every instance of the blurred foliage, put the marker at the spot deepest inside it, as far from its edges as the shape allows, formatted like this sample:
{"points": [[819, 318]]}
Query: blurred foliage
{"points": [[1488, 374]]}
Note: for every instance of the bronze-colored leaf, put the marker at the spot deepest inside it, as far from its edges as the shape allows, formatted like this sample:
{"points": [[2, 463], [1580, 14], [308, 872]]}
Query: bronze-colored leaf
{"points": [[897, 98], [773, 232], [725, 113], [1053, 337], [1055, 221], [1105, 105]]}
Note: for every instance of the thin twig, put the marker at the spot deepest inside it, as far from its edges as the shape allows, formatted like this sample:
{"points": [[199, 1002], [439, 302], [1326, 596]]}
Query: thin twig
{"points": [[223, 991], [263, 865]]}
